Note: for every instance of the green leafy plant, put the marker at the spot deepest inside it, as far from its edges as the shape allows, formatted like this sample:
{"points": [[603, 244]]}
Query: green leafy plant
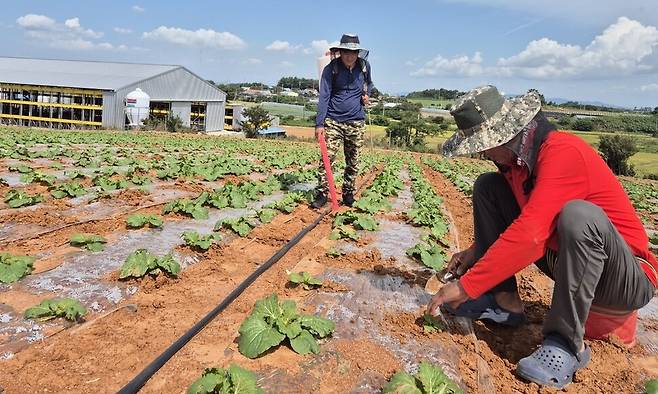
{"points": [[306, 280], [138, 220], [232, 380], [69, 189], [430, 254], [74, 174], [359, 220], [196, 240], [107, 185], [654, 239], [21, 168], [191, 208], [67, 308], [333, 252], [38, 177], [16, 199], [372, 202], [288, 203], [271, 322], [341, 232], [430, 379], [141, 262], [266, 215], [651, 386], [241, 226], [140, 179], [91, 242], [13, 268], [432, 324]]}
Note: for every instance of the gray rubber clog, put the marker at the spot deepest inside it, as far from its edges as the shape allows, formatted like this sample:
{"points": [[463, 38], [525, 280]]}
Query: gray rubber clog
{"points": [[553, 364]]}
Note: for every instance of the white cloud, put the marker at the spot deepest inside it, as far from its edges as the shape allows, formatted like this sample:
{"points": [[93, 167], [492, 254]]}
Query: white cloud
{"points": [[583, 12], [253, 60], [137, 8], [409, 63], [282, 46], [70, 35], [319, 47], [72, 23], [458, 66], [286, 64], [32, 21], [619, 51], [201, 37], [122, 30], [652, 87]]}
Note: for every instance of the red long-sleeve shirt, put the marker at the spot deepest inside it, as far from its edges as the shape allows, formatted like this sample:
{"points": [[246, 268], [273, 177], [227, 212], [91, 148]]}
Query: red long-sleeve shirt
{"points": [[567, 168]]}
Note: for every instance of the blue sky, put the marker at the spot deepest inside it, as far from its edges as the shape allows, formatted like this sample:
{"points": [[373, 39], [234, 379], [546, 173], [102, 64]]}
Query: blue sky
{"points": [[604, 50]]}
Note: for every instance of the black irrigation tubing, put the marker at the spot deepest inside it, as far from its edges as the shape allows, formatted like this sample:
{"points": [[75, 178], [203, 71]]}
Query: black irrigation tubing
{"points": [[138, 381]]}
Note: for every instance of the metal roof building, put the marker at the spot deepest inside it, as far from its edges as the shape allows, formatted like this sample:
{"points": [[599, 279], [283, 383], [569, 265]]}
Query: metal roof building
{"points": [[70, 94]]}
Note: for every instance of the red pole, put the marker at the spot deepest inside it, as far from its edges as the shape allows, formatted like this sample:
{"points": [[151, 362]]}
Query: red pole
{"points": [[327, 169]]}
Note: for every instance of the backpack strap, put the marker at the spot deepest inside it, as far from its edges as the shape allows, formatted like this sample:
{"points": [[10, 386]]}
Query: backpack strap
{"points": [[363, 64]]}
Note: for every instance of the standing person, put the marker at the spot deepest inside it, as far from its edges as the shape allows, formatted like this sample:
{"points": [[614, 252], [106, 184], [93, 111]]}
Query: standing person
{"points": [[554, 202], [345, 88]]}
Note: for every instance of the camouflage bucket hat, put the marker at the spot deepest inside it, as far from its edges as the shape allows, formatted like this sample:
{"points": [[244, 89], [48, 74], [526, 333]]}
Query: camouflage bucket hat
{"points": [[350, 42], [485, 120]]}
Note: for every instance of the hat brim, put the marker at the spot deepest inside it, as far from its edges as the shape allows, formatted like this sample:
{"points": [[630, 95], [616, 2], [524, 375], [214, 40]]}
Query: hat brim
{"points": [[349, 47], [498, 130]]}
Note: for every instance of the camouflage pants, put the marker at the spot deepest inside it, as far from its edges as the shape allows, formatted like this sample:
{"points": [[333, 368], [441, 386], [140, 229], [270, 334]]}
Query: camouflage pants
{"points": [[351, 135]]}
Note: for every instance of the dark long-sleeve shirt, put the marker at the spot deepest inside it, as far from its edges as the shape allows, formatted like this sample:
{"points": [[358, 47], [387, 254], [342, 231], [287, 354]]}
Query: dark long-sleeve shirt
{"points": [[340, 94]]}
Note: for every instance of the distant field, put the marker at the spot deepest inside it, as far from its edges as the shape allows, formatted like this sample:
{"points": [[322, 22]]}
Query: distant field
{"points": [[431, 103], [645, 161]]}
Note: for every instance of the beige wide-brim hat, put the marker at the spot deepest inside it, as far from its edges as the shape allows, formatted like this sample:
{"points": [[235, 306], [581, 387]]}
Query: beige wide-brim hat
{"points": [[485, 120]]}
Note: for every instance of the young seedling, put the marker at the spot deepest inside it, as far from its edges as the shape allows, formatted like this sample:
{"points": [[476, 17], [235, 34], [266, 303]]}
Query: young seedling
{"points": [[91, 242], [141, 262], [430, 254], [17, 198], [240, 226], [67, 308], [306, 280], [271, 322], [202, 242], [13, 268], [233, 379], [333, 252], [430, 379], [138, 220]]}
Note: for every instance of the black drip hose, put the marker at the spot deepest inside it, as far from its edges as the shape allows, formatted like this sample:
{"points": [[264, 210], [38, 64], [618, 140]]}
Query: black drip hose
{"points": [[138, 381]]}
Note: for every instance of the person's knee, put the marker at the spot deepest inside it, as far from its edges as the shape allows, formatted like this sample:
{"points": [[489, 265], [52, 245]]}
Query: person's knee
{"points": [[487, 182], [577, 216]]}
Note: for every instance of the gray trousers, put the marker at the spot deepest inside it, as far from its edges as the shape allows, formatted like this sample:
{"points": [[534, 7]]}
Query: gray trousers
{"points": [[594, 263]]}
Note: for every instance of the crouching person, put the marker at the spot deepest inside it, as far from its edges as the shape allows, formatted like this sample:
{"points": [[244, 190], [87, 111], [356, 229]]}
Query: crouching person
{"points": [[554, 202]]}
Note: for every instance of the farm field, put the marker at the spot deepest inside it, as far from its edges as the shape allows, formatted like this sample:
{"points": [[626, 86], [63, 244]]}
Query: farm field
{"points": [[431, 103], [645, 161], [146, 233]]}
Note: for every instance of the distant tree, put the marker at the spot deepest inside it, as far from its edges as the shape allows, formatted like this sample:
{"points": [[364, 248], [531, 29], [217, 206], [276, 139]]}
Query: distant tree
{"points": [[655, 111], [410, 132], [297, 83], [174, 123], [256, 118], [583, 125], [616, 150], [436, 94]]}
